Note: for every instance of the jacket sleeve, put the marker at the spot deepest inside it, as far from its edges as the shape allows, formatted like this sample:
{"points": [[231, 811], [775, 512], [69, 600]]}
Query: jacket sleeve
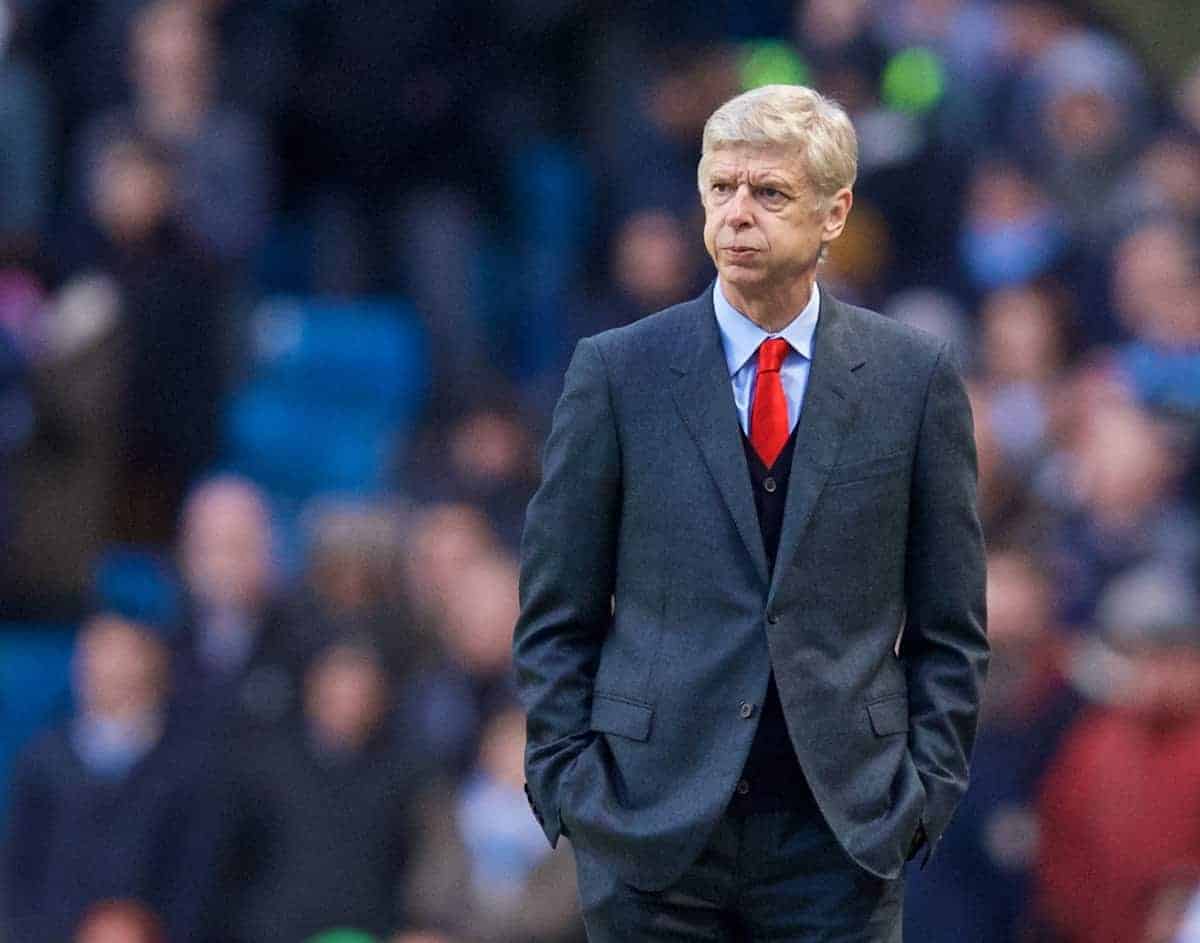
{"points": [[567, 575], [944, 646]]}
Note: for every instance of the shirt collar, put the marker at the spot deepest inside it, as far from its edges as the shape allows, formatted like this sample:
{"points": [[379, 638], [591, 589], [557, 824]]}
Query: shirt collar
{"points": [[741, 337]]}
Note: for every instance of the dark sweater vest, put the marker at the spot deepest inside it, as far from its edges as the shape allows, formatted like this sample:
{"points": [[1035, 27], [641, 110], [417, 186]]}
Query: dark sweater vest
{"points": [[772, 779]]}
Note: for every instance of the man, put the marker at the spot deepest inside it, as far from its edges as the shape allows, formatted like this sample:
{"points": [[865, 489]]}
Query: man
{"points": [[113, 804], [485, 870], [1119, 804], [746, 498], [320, 814], [240, 655]]}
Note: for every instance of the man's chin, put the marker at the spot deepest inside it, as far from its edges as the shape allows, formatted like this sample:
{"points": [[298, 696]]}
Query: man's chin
{"points": [[743, 273]]}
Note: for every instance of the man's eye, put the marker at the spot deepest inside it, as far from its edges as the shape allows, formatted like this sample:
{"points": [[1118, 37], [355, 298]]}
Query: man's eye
{"points": [[770, 193], [720, 188]]}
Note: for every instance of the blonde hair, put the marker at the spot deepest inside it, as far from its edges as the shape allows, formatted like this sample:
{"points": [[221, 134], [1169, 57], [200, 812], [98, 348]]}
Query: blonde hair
{"points": [[792, 117]]}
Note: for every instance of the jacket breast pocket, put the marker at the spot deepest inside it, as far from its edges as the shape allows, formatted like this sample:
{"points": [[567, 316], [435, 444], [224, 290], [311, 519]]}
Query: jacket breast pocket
{"points": [[889, 714], [618, 715], [850, 472]]}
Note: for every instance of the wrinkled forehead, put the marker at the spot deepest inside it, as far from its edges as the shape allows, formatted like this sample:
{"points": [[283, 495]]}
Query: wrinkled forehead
{"points": [[755, 161]]}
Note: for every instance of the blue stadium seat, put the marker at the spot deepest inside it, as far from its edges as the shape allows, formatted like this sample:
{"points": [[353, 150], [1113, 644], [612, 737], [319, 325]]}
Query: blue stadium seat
{"points": [[333, 389], [140, 584], [363, 353], [297, 446]]}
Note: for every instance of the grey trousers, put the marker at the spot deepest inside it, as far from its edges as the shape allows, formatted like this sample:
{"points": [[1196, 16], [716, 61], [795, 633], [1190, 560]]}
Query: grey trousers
{"points": [[765, 876]]}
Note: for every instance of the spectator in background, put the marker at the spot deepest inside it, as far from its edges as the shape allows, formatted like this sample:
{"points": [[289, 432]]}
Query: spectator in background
{"points": [[1156, 292], [439, 715], [485, 870], [1122, 504], [484, 458], [1024, 349], [218, 158], [834, 33], [444, 540], [239, 657], [1012, 513], [320, 817], [1087, 98], [447, 708], [113, 804], [977, 887], [354, 579], [167, 297], [66, 473], [1121, 800], [123, 921], [652, 265], [1030, 28], [1166, 181], [1012, 232]]}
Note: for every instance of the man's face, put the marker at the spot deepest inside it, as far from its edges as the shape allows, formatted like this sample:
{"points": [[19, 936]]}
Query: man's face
{"points": [[226, 546], [346, 697], [120, 669], [763, 222]]}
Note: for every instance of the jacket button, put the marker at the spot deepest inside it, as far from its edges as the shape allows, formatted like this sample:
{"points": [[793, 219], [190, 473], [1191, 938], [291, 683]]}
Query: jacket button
{"points": [[769, 485], [773, 618], [746, 710], [742, 788]]}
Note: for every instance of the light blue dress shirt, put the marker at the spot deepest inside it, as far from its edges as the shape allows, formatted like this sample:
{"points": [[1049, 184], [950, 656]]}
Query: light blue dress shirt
{"points": [[740, 339]]}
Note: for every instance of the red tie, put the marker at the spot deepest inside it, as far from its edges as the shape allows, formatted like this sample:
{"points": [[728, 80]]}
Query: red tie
{"points": [[768, 413]]}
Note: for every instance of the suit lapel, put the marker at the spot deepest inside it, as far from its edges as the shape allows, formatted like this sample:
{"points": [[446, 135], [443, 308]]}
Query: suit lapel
{"points": [[704, 398], [828, 412]]}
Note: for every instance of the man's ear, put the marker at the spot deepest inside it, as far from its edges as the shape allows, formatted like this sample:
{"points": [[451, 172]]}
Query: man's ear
{"points": [[836, 213]]}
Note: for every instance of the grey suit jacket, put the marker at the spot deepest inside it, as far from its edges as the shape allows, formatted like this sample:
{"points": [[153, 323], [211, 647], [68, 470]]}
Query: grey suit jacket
{"points": [[648, 620]]}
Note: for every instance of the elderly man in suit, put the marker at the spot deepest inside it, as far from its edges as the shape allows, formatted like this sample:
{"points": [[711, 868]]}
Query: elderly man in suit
{"points": [[751, 640]]}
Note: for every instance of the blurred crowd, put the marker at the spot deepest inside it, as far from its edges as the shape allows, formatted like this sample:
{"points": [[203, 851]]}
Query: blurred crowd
{"points": [[294, 722]]}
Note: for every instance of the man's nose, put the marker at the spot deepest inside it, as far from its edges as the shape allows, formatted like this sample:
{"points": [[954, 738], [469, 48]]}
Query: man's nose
{"points": [[740, 207]]}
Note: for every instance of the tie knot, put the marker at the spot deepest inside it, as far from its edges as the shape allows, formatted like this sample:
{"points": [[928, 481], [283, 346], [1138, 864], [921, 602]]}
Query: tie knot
{"points": [[771, 354]]}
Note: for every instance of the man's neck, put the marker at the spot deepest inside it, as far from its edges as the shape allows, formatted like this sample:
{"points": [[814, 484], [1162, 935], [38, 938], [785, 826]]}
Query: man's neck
{"points": [[774, 308]]}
